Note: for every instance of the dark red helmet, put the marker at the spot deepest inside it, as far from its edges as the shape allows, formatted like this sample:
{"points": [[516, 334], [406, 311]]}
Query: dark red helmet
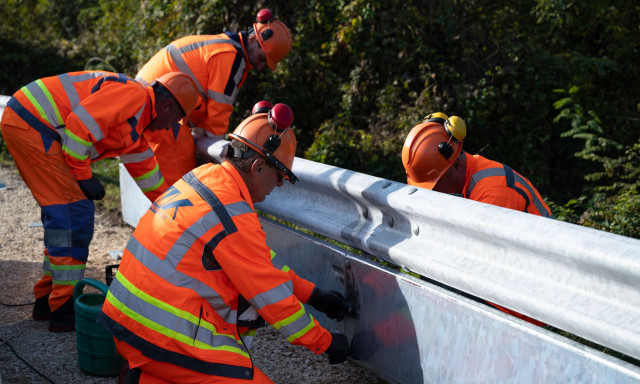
{"points": [[281, 116], [263, 106]]}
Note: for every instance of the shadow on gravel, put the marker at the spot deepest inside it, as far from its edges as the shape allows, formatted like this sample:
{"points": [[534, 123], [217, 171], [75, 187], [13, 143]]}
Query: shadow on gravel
{"points": [[29, 353]]}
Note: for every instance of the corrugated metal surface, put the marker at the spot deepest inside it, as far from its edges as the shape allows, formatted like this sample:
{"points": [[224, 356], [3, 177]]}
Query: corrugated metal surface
{"points": [[577, 279]]}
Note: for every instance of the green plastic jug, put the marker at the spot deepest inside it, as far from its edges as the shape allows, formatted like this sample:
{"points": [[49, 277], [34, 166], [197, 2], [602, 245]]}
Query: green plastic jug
{"points": [[96, 349]]}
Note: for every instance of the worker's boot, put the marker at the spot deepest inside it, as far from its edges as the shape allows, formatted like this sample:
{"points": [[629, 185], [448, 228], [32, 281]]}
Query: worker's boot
{"points": [[63, 319], [41, 310]]}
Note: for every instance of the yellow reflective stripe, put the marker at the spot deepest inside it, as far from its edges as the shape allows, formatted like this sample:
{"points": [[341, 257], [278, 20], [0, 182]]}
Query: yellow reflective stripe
{"points": [[173, 310], [290, 319], [69, 152], [65, 282], [300, 333], [78, 140], [251, 332], [35, 103], [148, 174], [74, 267], [51, 101], [273, 254], [155, 186]]}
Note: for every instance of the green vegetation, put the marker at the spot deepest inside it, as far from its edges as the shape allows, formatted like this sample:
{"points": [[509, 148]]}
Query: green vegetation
{"points": [[546, 86]]}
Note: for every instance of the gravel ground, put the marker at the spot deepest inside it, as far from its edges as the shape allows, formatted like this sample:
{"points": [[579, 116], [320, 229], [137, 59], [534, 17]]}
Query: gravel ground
{"points": [[54, 355]]}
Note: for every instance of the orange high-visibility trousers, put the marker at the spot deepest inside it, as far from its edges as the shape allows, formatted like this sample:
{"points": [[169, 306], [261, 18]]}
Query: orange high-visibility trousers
{"points": [[157, 372], [67, 215]]}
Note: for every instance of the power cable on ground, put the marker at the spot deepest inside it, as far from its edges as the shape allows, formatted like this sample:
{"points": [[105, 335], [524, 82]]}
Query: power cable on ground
{"points": [[20, 357], [16, 305]]}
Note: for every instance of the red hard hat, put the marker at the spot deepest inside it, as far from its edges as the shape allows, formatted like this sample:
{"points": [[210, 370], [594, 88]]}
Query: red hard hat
{"points": [[262, 106]]}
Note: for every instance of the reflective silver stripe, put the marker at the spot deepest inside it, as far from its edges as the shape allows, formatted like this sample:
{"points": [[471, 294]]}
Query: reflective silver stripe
{"points": [[199, 228], [238, 208], [142, 81], [46, 266], [296, 326], [172, 321], [179, 279], [58, 238], [501, 172], [128, 158], [176, 55], [272, 296], [150, 181], [75, 147], [48, 109], [248, 341], [68, 82], [204, 43], [89, 122], [221, 97], [93, 153], [476, 177], [229, 99], [190, 236], [62, 275], [139, 113], [166, 268], [534, 198]]}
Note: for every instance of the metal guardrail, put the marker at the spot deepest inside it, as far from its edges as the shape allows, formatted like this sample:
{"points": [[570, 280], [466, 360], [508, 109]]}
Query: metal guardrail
{"points": [[410, 331], [3, 102], [577, 279]]}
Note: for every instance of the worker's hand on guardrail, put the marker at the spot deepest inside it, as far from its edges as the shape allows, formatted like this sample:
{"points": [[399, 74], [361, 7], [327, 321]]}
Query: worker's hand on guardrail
{"points": [[339, 348], [92, 188], [332, 303]]}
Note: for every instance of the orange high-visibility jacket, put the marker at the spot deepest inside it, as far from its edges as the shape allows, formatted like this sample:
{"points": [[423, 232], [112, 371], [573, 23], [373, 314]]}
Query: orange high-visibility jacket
{"points": [[494, 183], [218, 64], [95, 115], [195, 272]]}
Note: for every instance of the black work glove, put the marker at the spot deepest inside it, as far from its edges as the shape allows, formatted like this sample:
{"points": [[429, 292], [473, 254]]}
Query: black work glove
{"points": [[339, 348], [92, 188], [330, 302]]}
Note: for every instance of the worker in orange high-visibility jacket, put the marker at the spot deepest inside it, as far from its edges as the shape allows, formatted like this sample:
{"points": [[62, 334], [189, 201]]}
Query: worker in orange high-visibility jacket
{"points": [[196, 278], [219, 64], [433, 158], [55, 127]]}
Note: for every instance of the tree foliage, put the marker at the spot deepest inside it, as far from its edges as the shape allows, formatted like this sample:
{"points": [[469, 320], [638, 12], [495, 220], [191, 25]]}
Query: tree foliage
{"points": [[546, 86]]}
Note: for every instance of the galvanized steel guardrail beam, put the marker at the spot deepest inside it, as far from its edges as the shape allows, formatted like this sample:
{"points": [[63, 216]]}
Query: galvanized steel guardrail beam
{"points": [[577, 279], [3, 102]]}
